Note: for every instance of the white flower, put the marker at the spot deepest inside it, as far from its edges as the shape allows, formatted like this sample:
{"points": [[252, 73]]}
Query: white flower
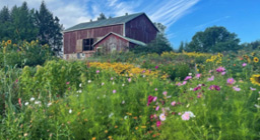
{"points": [[70, 111], [113, 83], [123, 84], [32, 99], [79, 91], [143, 76], [190, 74], [258, 98], [162, 117], [26, 103], [191, 89], [89, 81], [110, 115], [125, 117], [37, 102], [80, 85], [257, 106], [49, 104], [102, 84], [188, 105], [123, 102]]}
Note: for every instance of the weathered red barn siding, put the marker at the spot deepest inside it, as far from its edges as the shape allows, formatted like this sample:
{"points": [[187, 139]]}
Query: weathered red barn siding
{"points": [[141, 29], [110, 41], [70, 38]]}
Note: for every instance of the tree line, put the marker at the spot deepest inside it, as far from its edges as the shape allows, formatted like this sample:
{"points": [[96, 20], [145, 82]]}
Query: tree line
{"points": [[24, 24], [216, 39]]}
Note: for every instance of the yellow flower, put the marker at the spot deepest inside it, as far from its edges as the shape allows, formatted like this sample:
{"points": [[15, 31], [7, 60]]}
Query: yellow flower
{"points": [[94, 138], [256, 59], [9, 42], [255, 79]]}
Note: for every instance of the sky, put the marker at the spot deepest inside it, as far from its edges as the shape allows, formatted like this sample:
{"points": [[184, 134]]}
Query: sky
{"points": [[183, 18]]}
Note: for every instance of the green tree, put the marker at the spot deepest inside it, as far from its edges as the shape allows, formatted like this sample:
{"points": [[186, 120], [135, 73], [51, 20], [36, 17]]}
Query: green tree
{"points": [[101, 17], [49, 29], [214, 39], [181, 48], [23, 27]]}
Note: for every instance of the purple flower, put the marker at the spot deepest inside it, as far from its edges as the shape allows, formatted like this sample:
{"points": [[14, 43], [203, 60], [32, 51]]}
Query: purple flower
{"points": [[244, 64], [220, 69], [157, 108], [252, 88], [236, 88], [129, 80], [187, 78], [230, 81], [214, 87], [211, 78], [114, 91], [97, 71], [158, 123], [223, 73], [156, 67], [184, 82]]}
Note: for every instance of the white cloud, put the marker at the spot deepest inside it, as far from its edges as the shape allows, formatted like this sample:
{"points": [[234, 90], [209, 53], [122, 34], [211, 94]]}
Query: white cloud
{"points": [[71, 12], [201, 26], [170, 11]]}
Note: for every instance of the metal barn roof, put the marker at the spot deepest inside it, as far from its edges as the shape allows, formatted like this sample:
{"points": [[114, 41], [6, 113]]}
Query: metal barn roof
{"points": [[104, 22]]}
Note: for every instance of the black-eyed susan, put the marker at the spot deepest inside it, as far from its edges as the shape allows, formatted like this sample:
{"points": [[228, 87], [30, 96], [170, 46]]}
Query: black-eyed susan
{"points": [[255, 79], [256, 60]]}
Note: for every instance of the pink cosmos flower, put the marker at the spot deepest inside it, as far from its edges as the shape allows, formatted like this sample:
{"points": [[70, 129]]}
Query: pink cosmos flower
{"points": [[230, 81], [157, 108], [173, 103], [111, 78], [162, 117], [210, 71], [236, 88], [244, 64], [198, 75], [165, 93], [129, 80], [187, 78], [155, 89], [150, 99], [199, 95], [214, 87], [211, 78], [156, 67], [114, 91], [184, 82], [223, 73], [68, 83], [178, 84], [220, 69], [185, 116], [154, 99], [196, 88], [158, 123], [97, 71]]}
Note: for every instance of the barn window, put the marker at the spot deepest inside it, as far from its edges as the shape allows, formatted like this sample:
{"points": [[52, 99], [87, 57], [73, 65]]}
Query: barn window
{"points": [[87, 44]]}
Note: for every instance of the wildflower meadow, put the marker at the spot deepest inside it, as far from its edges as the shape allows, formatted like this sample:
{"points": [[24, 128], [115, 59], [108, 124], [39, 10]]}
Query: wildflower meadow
{"points": [[183, 96]]}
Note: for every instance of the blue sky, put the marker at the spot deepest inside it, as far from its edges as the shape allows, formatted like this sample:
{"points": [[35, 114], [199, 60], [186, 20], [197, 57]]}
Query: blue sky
{"points": [[183, 18]]}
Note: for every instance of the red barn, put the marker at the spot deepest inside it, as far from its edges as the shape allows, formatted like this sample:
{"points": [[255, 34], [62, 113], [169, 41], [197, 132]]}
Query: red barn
{"points": [[108, 35]]}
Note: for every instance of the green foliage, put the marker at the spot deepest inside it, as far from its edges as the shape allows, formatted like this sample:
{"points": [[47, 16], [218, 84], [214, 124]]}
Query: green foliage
{"points": [[24, 53], [23, 24], [214, 39]]}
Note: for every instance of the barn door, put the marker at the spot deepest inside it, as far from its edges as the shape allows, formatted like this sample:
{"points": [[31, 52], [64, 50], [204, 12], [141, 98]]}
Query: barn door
{"points": [[79, 46]]}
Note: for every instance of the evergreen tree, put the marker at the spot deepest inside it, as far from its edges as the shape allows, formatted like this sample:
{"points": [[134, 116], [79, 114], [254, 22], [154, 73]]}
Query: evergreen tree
{"points": [[5, 23], [49, 29], [23, 27], [181, 48]]}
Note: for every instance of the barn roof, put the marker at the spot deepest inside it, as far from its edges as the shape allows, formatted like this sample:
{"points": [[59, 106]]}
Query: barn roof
{"points": [[126, 38], [105, 22]]}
